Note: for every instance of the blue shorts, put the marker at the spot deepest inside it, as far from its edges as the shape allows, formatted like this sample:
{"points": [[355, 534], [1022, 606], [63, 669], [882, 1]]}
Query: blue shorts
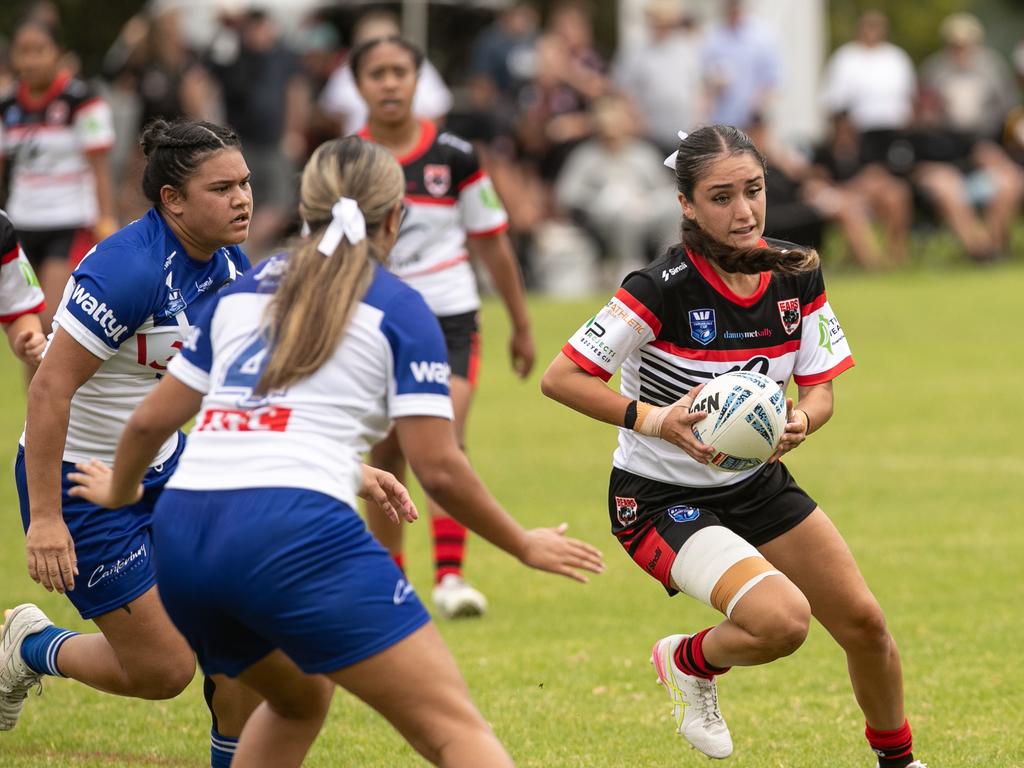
{"points": [[113, 546], [245, 572]]}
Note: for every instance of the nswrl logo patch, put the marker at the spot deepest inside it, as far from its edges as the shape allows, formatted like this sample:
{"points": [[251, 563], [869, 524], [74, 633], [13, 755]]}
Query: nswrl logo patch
{"points": [[702, 325]]}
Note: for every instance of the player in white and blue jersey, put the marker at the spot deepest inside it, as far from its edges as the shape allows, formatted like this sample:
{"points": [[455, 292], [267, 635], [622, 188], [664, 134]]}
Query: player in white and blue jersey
{"points": [[125, 312], [262, 561]]}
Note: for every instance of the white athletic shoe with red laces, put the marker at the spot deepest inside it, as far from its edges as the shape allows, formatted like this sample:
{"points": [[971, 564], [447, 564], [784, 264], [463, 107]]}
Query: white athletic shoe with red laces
{"points": [[694, 700]]}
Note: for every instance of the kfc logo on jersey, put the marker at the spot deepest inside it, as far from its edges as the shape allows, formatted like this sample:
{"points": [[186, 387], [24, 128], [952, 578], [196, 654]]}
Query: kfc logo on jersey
{"points": [[437, 179], [625, 510], [789, 311], [702, 325]]}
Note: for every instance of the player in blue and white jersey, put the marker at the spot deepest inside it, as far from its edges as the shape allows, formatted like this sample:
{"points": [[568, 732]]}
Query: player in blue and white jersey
{"points": [[125, 312], [262, 561], [751, 544]]}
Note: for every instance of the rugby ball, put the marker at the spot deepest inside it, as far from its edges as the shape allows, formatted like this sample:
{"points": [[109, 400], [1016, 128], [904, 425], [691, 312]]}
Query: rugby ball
{"points": [[746, 416]]}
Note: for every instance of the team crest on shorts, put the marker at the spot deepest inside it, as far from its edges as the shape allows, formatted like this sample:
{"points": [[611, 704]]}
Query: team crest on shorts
{"points": [[702, 325], [625, 510], [789, 311], [683, 514], [437, 179]]}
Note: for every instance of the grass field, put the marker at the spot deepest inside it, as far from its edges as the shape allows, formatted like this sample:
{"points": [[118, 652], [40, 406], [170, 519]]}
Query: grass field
{"points": [[921, 468]]}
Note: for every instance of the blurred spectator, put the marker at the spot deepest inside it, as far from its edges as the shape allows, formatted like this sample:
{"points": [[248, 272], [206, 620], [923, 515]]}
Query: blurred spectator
{"points": [[889, 199], [571, 25], [503, 57], [802, 201], [873, 82], [972, 183], [340, 99], [153, 74], [321, 52], [266, 100], [741, 67], [55, 134], [1013, 134], [663, 74], [47, 12], [973, 85], [616, 187]]}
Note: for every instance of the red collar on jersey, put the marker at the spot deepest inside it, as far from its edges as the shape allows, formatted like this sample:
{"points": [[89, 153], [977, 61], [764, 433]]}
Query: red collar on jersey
{"points": [[715, 280], [428, 132], [30, 104]]}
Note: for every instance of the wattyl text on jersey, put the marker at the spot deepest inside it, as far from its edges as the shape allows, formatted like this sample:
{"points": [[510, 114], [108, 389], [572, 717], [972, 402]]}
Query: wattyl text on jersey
{"points": [[430, 371], [100, 312]]}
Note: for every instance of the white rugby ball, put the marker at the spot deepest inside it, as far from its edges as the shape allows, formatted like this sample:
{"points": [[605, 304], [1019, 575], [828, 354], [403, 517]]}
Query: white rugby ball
{"points": [[746, 416]]}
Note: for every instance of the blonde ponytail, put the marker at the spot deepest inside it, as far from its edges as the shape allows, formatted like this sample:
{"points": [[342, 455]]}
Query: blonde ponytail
{"points": [[318, 293]]}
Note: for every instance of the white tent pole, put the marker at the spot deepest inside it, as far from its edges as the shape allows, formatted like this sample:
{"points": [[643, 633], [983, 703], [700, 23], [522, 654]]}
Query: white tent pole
{"points": [[414, 22]]}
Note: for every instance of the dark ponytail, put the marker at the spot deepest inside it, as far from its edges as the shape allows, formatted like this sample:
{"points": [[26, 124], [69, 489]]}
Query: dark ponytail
{"points": [[696, 154], [175, 150]]}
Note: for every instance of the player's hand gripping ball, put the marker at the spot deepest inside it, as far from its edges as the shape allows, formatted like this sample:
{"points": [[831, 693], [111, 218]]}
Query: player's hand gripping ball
{"points": [[746, 416]]}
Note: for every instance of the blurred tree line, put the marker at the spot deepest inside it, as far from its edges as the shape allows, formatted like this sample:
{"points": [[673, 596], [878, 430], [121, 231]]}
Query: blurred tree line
{"points": [[89, 26], [914, 24]]}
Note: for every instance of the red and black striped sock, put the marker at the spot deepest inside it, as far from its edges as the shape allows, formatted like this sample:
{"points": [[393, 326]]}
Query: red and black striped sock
{"points": [[449, 546], [690, 657], [894, 748], [399, 558]]}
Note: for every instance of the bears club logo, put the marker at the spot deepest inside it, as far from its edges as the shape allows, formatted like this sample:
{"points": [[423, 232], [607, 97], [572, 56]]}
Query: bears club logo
{"points": [[625, 510], [789, 311], [437, 179]]}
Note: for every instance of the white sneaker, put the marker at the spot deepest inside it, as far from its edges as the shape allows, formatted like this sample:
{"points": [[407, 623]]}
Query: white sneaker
{"points": [[915, 764], [694, 699], [16, 679], [455, 599]]}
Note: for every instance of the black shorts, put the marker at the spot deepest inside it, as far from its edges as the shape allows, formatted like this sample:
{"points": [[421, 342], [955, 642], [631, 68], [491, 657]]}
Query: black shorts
{"points": [[66, 245], [462, 335], [652, 520]]}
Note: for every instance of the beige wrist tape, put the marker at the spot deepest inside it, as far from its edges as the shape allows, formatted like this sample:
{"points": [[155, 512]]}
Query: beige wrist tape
{"points": [[649, 418]]}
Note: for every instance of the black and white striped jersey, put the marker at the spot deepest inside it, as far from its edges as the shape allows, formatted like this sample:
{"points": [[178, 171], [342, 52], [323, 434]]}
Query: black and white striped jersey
{"points": [[45, 142], [675, 324]]}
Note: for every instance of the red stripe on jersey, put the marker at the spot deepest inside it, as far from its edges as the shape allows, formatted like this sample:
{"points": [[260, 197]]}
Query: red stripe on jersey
{"points": [[438, 267], [97, 149], [427, 200], [489, 232], [821, 378], [814, 306], [87, 104], [32, 311], [428, 132], [727, 355], [10, 256], [715, 281], [30, 104], [639, 309], [472, 179], [585, 363]]}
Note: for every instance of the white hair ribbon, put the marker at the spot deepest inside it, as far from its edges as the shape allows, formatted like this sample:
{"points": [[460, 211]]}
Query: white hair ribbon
{"points": [[670, 161], [346, 221]]}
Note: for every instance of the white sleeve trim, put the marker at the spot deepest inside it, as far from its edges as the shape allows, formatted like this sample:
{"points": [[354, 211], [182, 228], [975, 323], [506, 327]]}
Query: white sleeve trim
{"points": [[189, 374], [421, 405], [83, 335]]}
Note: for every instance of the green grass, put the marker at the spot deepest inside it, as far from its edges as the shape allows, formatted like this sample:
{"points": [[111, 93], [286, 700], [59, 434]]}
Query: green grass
{"points": [[921, 468]]}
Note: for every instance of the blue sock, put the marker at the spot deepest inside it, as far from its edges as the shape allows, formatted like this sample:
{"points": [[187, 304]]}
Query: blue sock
{"points": [[222, 749], [39, 650]]}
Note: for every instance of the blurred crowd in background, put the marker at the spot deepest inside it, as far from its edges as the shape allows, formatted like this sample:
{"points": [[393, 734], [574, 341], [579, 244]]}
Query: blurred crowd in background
{"points": [[575, 140]]}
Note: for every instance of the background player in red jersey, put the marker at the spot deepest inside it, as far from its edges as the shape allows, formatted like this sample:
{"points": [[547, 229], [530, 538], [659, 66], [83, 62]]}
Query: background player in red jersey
{"points": [[751, 544], [451, 212], [55, 135], [21, 300]]}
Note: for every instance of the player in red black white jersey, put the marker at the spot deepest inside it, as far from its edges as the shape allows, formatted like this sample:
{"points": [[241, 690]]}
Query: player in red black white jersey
{"points": [[21, 299], [451, 213], [55, 133], [751, 544]]}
